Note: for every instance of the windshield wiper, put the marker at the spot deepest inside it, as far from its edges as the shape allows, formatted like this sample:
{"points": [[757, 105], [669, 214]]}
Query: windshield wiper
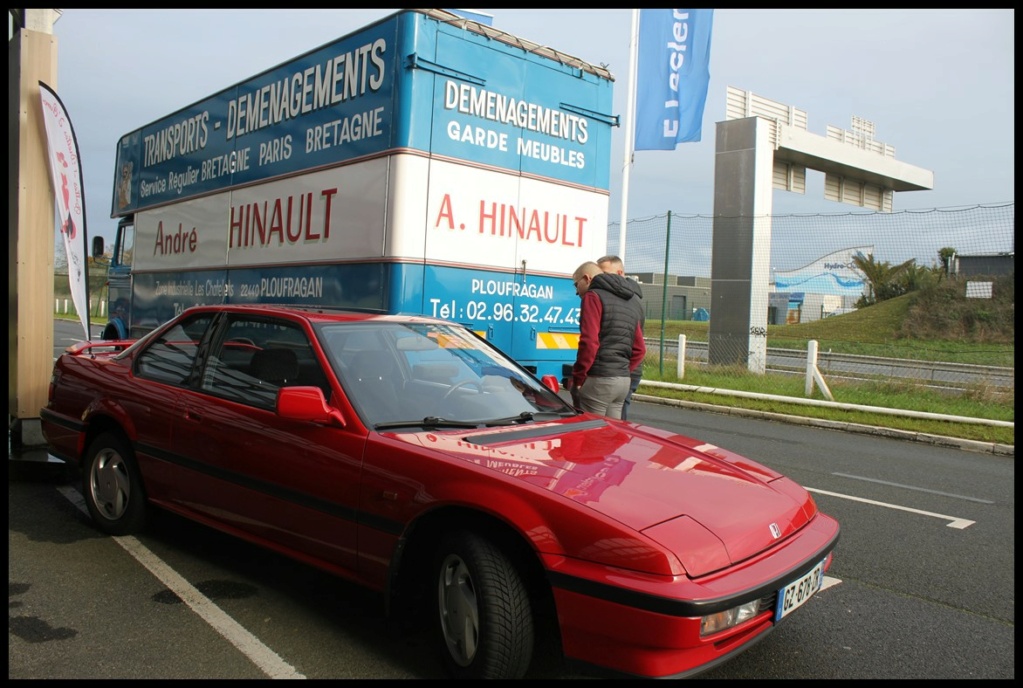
{"points": [[524, 417], [428, 422]]}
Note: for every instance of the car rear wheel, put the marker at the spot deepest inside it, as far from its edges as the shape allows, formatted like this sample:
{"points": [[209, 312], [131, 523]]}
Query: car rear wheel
{"points": [[484, 613], [112, 486]]}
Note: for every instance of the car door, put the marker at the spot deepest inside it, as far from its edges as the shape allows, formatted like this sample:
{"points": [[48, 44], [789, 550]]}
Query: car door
{"points": [[288, 483], [151, 398]]}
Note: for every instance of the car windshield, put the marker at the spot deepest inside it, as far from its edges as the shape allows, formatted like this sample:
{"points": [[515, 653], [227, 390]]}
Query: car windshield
{"points": [[432, 375]]}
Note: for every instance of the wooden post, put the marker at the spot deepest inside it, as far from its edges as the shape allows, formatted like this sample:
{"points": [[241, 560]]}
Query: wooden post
{"points": [[32, 57]]}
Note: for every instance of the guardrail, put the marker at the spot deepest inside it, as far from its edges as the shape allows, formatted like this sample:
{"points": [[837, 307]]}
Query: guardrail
{"points": [[953, 376]]}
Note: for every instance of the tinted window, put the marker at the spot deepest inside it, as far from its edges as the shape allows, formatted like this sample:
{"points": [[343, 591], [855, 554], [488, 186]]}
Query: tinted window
{"points": [[258, 356], [171, 355]]}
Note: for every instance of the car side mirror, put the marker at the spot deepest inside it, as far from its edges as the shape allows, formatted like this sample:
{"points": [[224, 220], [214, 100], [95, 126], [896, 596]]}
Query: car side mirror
{"points": [[97, 246], [307, 404], [551, 383]]}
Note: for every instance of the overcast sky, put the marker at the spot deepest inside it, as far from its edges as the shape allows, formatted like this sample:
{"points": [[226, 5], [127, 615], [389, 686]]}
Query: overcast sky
{"points": [[937, 84]]}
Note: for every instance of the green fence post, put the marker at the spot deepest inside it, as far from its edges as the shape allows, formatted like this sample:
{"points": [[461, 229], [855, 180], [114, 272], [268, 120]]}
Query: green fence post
{"points": [[664, 293]]}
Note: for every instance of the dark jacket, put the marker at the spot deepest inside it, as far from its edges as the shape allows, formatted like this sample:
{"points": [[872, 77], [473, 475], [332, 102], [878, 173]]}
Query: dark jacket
{"points": [[637, 374], [611, 336]]}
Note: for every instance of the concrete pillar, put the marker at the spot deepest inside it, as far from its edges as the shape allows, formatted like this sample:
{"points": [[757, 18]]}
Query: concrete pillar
{"points": [[740, 263]]}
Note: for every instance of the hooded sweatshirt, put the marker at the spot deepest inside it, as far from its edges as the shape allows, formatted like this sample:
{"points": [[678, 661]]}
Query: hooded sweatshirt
{"points": [[611, 335]]}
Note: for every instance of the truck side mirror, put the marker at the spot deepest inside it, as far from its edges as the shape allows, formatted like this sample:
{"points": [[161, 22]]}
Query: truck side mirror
{"points": [[97, 247]]}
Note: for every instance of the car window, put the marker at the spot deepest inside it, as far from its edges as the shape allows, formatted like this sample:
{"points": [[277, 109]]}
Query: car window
{"points": [[169, 358], [255, 357], [396, 372]]}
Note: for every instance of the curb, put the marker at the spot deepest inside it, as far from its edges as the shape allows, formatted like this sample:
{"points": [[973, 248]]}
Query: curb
{"points": [[926, 438], [36, 465]]}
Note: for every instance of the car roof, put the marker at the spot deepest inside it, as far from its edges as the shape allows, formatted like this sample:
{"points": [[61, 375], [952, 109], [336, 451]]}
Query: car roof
{"points": [[318, 314]]}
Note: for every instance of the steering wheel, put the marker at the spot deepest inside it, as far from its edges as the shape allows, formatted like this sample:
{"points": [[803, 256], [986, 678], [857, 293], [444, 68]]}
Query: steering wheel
{"points": [[459, 385]]}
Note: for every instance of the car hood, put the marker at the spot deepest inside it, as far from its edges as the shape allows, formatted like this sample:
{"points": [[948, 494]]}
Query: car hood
{"points": [[672, 487]]}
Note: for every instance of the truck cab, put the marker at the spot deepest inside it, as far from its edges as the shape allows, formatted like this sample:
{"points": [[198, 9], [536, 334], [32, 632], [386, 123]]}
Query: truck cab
{"points": [[119, 282]]}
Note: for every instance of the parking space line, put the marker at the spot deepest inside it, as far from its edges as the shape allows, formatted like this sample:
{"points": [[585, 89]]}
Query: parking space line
{"points": [[262, 656], [954, 522], [912, 487]]}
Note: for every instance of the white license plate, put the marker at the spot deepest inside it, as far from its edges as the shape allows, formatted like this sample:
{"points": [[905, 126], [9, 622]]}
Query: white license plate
{"points": [[796, 593]]}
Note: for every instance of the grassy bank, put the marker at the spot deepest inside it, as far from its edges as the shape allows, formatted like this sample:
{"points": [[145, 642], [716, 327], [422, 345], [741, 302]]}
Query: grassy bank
{"points": [[981, 333], [889, 396]]}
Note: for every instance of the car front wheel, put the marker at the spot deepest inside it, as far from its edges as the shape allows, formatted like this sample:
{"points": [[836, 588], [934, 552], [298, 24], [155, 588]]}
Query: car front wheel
{"points": [[484, 613], [112, 486]]}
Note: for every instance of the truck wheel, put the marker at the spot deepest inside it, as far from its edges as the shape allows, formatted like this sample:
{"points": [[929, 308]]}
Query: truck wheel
{"points": [[110, 332], [112, 486], [485, 621]]}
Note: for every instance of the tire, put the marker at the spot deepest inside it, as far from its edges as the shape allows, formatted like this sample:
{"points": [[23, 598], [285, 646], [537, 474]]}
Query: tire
{"points": [[112, 486], [485, 625]]}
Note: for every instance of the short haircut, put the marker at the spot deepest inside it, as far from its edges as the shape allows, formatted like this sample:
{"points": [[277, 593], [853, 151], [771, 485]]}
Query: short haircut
{"points": [[588, 268], [611, 262]]}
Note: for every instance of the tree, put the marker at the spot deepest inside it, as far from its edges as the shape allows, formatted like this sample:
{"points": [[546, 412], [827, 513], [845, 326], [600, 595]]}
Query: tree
{"points": [[945, 255], [884, 281], [917, 277], [59, 255]]}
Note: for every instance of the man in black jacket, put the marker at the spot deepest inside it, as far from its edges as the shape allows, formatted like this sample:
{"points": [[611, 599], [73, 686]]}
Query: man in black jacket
{"points": [[614, 264], [611, 342]]}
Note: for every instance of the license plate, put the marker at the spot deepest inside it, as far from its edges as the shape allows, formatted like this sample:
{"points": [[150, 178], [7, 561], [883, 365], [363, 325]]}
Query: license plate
{"points": [[796, 593]]}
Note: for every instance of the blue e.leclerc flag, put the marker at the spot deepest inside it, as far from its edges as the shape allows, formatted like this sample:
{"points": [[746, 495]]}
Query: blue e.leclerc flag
{"points": [[672, 76]]}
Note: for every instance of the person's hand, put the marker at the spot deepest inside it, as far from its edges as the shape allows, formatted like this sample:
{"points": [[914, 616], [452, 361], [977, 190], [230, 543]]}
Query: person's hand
{"points": [[575, 397]]}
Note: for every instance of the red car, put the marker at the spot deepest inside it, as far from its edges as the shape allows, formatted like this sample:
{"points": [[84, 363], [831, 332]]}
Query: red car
{"points": [[411, 456]]}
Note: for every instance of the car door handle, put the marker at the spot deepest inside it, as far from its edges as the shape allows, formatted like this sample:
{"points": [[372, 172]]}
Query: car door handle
{"points": [[193, 416]]}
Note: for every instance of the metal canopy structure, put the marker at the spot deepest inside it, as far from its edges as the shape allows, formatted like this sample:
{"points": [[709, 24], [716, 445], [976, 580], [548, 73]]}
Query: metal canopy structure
{"points": [[851, 159], [764, 145]]}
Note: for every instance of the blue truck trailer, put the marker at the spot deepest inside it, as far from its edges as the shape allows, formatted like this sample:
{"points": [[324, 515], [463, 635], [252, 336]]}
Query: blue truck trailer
{"points": [[426, 163]]}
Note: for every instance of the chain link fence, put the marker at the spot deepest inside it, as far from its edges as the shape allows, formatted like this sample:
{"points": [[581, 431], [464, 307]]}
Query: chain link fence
{"points": [[832, 279]]}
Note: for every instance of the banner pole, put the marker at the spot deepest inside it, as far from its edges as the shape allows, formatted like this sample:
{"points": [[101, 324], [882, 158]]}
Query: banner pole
{"points": [[69, 193], [630, 128]]}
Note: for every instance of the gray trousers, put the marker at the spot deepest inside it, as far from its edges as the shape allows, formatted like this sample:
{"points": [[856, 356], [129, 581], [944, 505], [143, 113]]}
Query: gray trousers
{"points": [[604, 395]]}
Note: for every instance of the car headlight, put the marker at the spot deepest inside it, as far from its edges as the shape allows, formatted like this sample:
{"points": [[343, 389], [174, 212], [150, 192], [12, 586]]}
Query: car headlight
{"points": [[713, 623]]}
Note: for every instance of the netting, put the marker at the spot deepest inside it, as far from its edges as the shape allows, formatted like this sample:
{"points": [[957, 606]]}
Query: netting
{"points": [[799, 240]]}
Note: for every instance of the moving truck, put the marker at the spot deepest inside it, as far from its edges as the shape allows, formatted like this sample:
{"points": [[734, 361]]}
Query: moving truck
{"points": [[427, 163]]}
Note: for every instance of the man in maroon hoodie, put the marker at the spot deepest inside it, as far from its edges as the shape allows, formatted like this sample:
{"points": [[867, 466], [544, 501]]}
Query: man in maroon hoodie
{"points": [[611, 342]]}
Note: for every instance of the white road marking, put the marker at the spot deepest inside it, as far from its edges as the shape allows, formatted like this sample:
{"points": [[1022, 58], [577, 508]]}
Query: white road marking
{"points": [[266, 659], [828, 582], [912, 487], [955, 522]]}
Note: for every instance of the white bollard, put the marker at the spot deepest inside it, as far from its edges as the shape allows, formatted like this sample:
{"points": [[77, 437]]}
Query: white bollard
{"points": [[811, 363]]}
